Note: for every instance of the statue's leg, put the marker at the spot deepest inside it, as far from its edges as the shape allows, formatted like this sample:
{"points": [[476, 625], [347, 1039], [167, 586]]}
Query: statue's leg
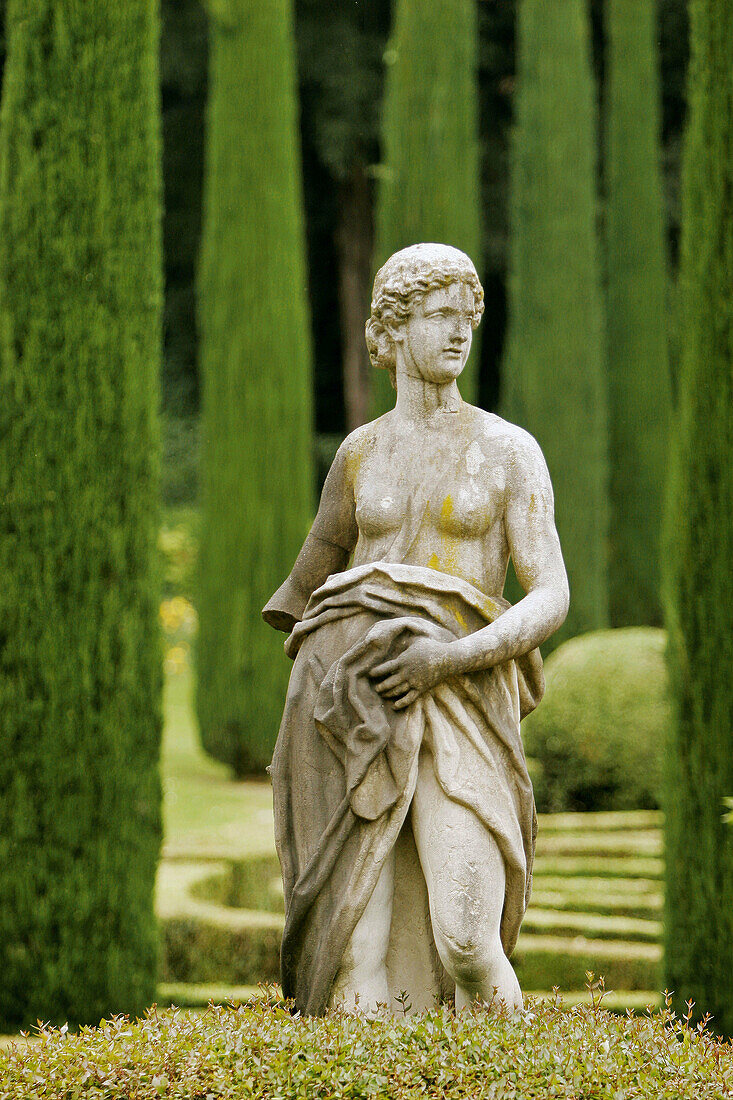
{"points": [[465, 877], [361, 982]]}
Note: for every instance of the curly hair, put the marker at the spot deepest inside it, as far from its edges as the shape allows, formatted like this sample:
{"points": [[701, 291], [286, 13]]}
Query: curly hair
{"points": [[404, 280]]}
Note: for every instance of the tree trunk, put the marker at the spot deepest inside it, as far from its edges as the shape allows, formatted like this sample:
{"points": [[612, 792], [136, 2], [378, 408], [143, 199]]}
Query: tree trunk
{"points": [[354, 240]]}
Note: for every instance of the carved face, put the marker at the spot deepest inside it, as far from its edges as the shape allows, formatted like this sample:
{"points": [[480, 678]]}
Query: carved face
{"points": [[436, 337]]}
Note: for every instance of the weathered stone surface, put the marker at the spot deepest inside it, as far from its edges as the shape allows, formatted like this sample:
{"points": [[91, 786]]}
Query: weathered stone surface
{"points": [[404, 814]]}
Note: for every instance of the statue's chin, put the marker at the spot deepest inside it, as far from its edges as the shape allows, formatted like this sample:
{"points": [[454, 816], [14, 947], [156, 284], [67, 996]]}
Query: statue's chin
{"points": [[445, 371]]}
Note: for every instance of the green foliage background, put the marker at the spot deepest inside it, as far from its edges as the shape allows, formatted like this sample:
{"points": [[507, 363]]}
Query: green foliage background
{"points": [[638, 360], [699, 550], [257, 461], [80, 660], [554, 371], [340, 75]]}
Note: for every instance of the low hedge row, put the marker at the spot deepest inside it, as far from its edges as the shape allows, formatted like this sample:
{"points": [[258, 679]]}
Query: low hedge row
{"points": [[246, 884], [594, 926], [621, 867], [543, 962], [260, 1051], [195, 950], [592, 900]]}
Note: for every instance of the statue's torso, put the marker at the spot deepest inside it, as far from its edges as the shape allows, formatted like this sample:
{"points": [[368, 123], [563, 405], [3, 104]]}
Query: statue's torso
{"points": [[434, 496]]}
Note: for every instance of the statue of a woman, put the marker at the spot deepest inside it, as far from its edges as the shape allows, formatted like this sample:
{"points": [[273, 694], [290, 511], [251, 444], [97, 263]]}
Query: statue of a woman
{"points": [[404, 814]]}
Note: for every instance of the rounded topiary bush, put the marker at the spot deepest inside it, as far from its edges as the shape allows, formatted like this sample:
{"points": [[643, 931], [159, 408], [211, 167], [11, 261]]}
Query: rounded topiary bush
{"points": [[597, 738]]}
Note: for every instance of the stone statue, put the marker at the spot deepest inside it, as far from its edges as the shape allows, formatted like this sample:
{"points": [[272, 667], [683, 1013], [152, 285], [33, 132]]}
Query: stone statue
{"points": [[404, 814]]}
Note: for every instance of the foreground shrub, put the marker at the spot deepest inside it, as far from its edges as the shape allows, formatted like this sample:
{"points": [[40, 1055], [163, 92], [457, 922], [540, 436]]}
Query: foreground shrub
{"points": [[597, 738], [261, 1051]]}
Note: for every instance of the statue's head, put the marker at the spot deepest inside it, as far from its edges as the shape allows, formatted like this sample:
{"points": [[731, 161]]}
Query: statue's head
{"points": [[404, 282]]}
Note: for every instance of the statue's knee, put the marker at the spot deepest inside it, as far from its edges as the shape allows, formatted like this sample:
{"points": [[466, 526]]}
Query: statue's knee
{"points": [[469, 956]]}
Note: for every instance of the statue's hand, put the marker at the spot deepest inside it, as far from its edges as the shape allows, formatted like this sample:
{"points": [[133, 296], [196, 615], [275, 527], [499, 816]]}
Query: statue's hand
{"points": [[421, 666]]}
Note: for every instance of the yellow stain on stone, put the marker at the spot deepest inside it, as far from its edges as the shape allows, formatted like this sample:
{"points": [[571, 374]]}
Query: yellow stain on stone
{"points": [[446, 510], [433, 562], [353, 464]]}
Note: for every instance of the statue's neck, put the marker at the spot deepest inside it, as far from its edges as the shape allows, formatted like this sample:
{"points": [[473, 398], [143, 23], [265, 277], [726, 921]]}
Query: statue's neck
{"points": [[419, 400]]}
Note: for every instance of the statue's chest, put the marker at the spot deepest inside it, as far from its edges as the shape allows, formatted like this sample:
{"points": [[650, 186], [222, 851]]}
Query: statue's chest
{"points": [[457, 494]]}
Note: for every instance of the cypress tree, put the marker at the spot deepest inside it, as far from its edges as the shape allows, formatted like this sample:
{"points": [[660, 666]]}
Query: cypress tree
{"points": [[257, 475], [553, 378], [80, 660], [699, 545], [638, 366], [429, 188]]}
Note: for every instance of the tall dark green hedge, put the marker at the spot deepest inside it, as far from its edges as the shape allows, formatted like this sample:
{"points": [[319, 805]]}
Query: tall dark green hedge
{"points": [[80, 660], [257, 474], [554, 381], [429, 188], [699, 551], [638, 361]]}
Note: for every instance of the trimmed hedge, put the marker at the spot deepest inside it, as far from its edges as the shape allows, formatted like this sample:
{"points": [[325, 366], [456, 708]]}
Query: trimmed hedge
{"points": [[260, 1051], [553, 378], [257, 471], [547, 920], [196, 950], [599, 896], [246, 884], [80, 651], [429, 184], [698, 579], [593, 866], [639, 390], [597, 739], [544, 962]]}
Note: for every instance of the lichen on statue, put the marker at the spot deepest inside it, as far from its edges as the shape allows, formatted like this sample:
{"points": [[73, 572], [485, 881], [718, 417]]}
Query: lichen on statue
{"points": [[404, 814]]}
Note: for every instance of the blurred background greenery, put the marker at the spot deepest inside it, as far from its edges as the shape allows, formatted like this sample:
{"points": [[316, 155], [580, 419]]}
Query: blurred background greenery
{"points": [[341, 77], [288, 148]]}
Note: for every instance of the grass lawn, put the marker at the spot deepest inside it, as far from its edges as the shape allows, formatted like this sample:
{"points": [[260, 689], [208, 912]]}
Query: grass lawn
{"points": [[205, 811]]}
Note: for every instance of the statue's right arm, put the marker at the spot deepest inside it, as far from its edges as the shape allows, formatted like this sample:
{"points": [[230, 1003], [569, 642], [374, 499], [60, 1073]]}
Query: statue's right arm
{"points": [[326, 550]]}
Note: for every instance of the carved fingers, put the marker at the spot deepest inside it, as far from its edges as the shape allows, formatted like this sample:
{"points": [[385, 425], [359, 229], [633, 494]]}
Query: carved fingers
{"points": [[420, 667]]}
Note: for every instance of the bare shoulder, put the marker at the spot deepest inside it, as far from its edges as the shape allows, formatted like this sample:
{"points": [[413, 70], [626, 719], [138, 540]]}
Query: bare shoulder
{"points": [[364, 435], [360, 443], [510, 445]]}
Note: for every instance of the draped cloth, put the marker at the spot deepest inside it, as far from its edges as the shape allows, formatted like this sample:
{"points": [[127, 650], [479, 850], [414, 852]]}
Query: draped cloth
{"points": [[346, 762]]}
